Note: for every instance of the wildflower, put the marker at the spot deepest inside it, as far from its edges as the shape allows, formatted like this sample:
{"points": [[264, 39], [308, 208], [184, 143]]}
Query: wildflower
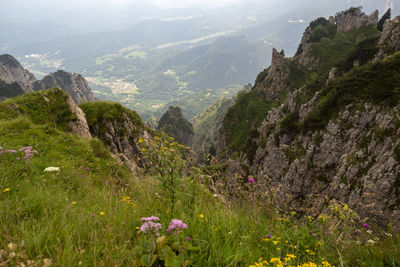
{"points": [[250, 197], [87, 168], [137, 227], [150, 227], [275, 260], [251, 180], [141, 140], [18, 158], [176, 224], [201, 216], [74, 203], [143, 150], [371, 241], [291, 256], [310, 252], [269, 236], [388, 234], [150, 219], [101, 213], [188, 238], [11, 151], [356, 232], [369, 232], [6, 190], [275, 242], [326, 264], [310, 232], [365, 225]]}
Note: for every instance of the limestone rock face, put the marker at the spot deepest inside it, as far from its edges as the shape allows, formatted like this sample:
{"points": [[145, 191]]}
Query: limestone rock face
{"points": [[354, 19], [11, 72], [390, 38], [352, 162], [79, 126], [119, 129], [73, 83]]}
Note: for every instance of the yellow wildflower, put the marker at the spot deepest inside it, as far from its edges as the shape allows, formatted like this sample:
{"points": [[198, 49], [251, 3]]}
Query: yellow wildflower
{"points": [[101, 213], [6, 190], [140, 140], [201, 216], [326, 264], [137, 227], [275, 242], [74, 203]]}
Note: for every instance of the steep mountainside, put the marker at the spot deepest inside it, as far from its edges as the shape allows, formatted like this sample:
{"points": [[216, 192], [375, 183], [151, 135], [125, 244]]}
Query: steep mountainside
{"points": [[15, 80], [72, 83], [175, 125], [323, 126], [119, 129], [11, 72]]}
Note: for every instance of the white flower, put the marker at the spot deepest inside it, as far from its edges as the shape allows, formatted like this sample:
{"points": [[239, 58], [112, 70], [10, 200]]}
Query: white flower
{"points": [[52, 169], [371, 241], [389, 234], [369, 232]]}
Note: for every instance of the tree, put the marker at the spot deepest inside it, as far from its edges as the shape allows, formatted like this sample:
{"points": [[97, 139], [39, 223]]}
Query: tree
{"points": [[385, 16]]}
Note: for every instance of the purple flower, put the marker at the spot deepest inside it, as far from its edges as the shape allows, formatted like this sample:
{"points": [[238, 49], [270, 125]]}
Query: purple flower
{"points": [[87, 168], [251, 180], [11, 151], [250, 197], [365, 225], [310, 232], [150, 219], [356, 232], [17, 158], [150, 227], [269, 236], [187, 238], [176, 224], [1, 148]]}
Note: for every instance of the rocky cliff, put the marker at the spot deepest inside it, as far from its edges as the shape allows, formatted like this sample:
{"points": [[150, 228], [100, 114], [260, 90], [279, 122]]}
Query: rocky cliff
{"points": [[327, 128], [12, 73], [15, 80], [119, 129], [72, 83], [175, 125]]}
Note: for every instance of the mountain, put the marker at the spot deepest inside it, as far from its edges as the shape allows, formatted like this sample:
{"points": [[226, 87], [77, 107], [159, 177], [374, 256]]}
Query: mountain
{"points": [[12, 73], [72, 83], [175, 125], [321, 127], [15, 80]]}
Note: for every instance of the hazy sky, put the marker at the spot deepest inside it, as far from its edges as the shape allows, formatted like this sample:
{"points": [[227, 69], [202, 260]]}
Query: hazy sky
{"points": [[178, 3]]}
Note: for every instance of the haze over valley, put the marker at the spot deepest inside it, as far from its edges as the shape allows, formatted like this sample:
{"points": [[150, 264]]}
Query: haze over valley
{"points": [[149, 54]]}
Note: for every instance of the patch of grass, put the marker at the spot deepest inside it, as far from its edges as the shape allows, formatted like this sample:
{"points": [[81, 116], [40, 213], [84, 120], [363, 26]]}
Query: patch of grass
{"points": [[43, 107]]}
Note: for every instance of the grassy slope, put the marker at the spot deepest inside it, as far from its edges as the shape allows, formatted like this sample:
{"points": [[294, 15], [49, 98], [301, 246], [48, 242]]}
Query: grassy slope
{"points": [[58, 215]]}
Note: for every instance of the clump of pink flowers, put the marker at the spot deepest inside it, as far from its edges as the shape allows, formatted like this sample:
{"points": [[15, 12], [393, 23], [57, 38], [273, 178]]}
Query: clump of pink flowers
{"points": [[28, 151], [176, 225], [251, 180], [150, 225]]}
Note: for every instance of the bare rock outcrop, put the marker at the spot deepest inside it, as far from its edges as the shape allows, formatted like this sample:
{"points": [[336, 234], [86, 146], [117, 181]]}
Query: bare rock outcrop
{"points": [[390, 38], [354, 19], [11, 71], [72, 83]]}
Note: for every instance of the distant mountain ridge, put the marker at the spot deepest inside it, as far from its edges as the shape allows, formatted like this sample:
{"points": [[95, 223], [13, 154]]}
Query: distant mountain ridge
{"points": [[15, 80]]}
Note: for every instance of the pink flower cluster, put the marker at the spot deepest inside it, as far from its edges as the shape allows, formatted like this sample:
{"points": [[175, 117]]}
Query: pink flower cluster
{"points": [[27, 150], [176, 225], [150, 225]]}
